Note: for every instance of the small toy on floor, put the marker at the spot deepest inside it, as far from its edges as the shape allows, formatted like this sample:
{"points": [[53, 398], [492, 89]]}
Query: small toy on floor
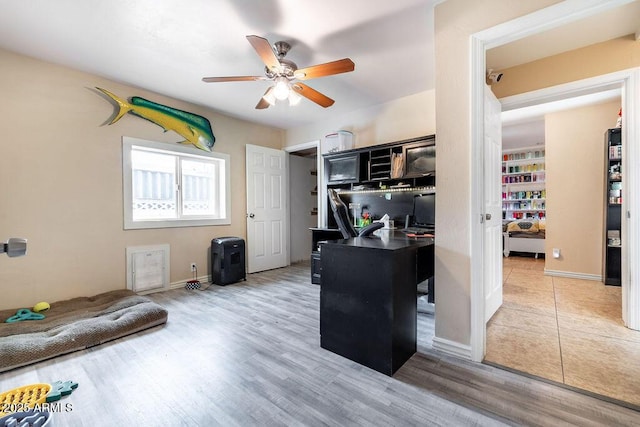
{"points": [[59, 389], [24, 314], [27, 419], [41, 306], [28, 406], [22, 398]]}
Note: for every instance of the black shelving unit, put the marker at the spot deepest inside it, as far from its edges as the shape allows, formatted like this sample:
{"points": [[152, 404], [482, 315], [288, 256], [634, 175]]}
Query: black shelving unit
{"points": [[613, 209], [380, 164], [376, 178]]}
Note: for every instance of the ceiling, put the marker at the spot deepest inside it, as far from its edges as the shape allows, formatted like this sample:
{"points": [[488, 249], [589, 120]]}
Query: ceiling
{"points": [[167, 46]]}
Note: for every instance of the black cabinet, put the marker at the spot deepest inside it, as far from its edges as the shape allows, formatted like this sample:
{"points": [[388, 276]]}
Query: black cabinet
{"points": [[368, 299], [613, 207], [343, 168], [419, 159], [316, 268], [318, 237]]}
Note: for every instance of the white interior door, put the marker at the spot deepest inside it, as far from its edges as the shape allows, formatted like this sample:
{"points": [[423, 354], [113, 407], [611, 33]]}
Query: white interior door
{"points": [[493, 204], [266, 208]]}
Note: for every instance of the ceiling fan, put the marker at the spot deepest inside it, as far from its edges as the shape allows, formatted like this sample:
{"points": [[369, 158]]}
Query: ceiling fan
{"points": [[285, 75]]}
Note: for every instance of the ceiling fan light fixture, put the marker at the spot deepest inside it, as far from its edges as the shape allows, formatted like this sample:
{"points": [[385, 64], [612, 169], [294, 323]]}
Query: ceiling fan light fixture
{"points": [[281, 90], [283, 73], [294, 99]]}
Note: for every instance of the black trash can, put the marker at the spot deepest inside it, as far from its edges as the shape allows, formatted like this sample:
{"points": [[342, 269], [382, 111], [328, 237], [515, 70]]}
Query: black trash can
{"points": [[227, 260]]}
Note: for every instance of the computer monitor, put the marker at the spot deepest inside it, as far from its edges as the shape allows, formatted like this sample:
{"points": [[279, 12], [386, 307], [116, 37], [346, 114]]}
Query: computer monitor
{"points": [[424, 210]]}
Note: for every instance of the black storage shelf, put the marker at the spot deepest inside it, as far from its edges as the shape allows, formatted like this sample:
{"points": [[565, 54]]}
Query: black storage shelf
{"points": [[612, 263], [375, 165], [377, 192]]}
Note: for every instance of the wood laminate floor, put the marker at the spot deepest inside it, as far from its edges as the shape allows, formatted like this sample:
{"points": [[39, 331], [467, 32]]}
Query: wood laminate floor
{"points": [[565, 330], [249, 354]]}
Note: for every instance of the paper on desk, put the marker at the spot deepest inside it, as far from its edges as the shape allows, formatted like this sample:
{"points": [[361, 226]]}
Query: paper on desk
{"points": [[388, 224]]}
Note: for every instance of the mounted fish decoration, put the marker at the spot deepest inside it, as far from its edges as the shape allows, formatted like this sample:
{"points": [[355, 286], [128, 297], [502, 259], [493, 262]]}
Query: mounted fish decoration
{"points": [[193, 128]]}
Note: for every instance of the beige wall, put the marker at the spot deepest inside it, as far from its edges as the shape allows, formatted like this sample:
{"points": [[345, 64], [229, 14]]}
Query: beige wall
{"points": [[595, 60], [575, 163], [61, 175], [408, 117], [455, 21]]}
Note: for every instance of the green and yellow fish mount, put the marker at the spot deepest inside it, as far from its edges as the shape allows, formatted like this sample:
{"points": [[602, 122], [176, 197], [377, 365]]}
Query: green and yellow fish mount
{"points": [[193, 128]]}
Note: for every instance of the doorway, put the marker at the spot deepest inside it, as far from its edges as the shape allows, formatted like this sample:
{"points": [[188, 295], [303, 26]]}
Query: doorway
{"points": [[505, 33], [305, 203], [628, 82], [569, 323]]}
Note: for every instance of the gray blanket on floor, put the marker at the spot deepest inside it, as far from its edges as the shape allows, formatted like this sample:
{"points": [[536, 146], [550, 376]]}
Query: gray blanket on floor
{"points": [[75, 324]]}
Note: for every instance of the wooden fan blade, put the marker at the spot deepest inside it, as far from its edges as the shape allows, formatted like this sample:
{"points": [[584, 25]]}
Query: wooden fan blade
{"points": [[264, 49], [336, 67], [233, 79], [312, 95], [263, 103]]}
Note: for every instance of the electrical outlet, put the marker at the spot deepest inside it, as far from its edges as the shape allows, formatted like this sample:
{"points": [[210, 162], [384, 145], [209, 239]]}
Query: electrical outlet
{"points": [[193, 266]]}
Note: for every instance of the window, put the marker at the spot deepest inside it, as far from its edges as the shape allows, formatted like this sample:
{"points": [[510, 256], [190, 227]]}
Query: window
{"points": [[168, 185]]}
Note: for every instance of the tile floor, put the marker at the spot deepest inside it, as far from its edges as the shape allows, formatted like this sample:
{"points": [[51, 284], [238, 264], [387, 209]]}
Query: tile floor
{"points": [[565, 330]]}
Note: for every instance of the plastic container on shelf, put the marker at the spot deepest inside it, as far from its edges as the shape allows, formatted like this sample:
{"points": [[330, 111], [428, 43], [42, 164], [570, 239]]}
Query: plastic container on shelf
{"points": [[337, 141]]}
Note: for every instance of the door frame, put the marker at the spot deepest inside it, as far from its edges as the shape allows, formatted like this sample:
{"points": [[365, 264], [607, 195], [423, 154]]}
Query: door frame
{"points": [[553, 16], [320, 168]]}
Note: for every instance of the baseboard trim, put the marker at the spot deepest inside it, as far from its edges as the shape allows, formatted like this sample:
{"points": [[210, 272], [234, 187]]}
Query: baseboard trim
{"points": [[452, 348], [584, 276]]}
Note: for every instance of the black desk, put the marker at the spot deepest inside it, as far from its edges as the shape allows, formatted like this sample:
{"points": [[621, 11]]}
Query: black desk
{"points": [[320, 235], [368, 297]]}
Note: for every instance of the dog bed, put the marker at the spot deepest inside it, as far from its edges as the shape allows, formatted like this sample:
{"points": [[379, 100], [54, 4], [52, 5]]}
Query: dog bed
{"points": [[75, 324]]}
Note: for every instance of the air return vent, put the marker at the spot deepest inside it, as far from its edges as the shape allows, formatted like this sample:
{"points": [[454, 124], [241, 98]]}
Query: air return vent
{"points": [[148, 268]]}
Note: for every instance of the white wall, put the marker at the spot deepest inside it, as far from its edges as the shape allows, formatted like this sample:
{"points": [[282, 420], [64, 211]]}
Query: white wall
{"points": [[61, 169], [455, 22], [403, 118]]}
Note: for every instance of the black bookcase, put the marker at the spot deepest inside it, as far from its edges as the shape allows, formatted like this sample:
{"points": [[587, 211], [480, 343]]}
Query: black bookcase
{"points": [[613, 207]]}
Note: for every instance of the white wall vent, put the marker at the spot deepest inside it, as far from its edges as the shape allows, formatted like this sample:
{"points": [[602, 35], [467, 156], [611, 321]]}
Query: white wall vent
{"points": [[148, 268]]}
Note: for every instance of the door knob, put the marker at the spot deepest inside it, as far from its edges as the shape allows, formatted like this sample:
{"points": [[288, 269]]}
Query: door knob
{"points": [[251, 215], [487, 216]]}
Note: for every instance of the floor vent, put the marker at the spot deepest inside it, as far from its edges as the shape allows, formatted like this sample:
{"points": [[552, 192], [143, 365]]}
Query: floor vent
{"points": [[148, 268]]}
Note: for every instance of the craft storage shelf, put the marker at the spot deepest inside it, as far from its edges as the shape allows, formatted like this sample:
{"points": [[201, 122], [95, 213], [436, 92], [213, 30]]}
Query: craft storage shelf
{"points": [[523, 183], [613, 207]]}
